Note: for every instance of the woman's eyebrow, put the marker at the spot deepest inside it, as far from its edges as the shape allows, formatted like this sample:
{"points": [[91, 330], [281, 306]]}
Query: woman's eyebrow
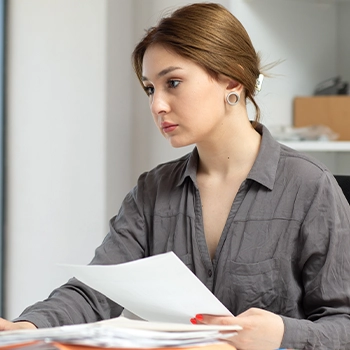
{"points": [[163, 72]]}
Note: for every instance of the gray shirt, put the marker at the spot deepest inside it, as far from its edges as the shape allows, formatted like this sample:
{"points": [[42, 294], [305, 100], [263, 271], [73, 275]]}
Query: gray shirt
{"points": [[285, 246]]}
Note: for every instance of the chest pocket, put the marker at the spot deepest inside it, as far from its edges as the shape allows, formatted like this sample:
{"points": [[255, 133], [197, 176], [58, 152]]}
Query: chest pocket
{"points": [[253, 285]]}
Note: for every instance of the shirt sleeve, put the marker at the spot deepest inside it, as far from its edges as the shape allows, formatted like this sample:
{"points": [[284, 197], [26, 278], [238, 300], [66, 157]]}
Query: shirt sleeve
{"points": [[75, 302], [325, 266]]}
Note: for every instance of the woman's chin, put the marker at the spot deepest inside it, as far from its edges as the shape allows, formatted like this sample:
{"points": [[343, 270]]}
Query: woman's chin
{"points": [[178, 143]]}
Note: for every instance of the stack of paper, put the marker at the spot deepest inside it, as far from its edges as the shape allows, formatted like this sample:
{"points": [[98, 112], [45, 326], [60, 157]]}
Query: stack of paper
{"points": [[160, 289], [124, 333]]}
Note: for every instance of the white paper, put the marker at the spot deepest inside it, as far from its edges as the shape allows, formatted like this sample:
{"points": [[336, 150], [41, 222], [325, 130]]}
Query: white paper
{"points": [[123, 333], [123, 322], [159, 288]]}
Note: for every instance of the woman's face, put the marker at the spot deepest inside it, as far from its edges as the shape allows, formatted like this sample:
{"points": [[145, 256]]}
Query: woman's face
{"points": [[187, 105]]}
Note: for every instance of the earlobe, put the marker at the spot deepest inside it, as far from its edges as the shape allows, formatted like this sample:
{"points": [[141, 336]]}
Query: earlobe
{"points": [[235, 99]]}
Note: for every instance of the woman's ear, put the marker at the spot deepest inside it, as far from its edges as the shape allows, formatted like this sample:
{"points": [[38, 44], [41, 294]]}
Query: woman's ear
{"points": [[233, 85]]}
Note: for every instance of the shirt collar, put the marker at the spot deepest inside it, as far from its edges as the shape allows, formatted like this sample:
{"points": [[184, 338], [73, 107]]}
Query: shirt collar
{"points": [[190, 169], [264, 168]]}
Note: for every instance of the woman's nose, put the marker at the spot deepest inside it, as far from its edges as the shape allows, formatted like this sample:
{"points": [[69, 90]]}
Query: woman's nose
{"points": [[159, 104]]}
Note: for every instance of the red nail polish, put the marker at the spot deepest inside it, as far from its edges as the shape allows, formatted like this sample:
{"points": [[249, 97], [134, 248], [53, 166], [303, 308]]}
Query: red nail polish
{"points": [[193, 321], [199, 317]]}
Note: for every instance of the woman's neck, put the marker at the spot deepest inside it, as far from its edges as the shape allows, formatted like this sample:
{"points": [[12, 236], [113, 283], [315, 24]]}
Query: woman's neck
{"points": [[232, 154]]}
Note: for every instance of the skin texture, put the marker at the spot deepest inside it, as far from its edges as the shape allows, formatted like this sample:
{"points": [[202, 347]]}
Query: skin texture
{"points": [[184, 96], [261, 329], [11, 326]]}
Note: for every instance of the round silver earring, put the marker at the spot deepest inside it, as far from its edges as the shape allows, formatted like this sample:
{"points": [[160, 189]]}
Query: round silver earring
{"points": [[229, 96]]}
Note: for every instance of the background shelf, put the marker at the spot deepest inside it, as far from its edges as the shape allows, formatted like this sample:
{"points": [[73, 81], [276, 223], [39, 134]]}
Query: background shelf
{"points": [[319, 146]]}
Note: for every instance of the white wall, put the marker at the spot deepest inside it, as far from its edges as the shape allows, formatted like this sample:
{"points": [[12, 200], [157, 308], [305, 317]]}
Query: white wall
{"points": [[68, 137], [344, 40], [304, 35], [118, 100]]}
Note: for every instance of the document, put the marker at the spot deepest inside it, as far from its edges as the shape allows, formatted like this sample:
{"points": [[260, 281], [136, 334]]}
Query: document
{"points": [[159, 288], [120, 333]]}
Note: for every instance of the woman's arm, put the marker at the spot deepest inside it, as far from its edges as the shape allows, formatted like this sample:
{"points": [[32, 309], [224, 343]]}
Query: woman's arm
{"points": [[11, 326]]}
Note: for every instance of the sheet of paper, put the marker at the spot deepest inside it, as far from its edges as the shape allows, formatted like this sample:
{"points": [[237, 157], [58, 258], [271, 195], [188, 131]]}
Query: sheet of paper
{"points": [[122, 333], [159, 288], [123, 322]]}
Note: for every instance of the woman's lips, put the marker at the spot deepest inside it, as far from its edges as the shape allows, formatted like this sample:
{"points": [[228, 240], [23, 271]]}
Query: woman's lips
{"points": [[168, 127]]}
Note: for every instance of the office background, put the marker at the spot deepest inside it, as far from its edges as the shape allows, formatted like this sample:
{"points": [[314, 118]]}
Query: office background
{"points": [[79, 130]]}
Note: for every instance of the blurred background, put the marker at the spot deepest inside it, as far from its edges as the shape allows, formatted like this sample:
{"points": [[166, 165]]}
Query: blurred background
{"points": [[77, 127]]}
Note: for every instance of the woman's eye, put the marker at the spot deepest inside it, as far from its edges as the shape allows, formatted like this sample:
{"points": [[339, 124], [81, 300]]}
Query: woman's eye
{"points": [[149, 90], [173, 83]]}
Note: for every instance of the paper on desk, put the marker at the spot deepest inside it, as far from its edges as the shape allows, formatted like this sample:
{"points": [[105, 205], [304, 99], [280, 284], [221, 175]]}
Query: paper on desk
{"points": [[122, 333], [123, 322], [159, 288]]}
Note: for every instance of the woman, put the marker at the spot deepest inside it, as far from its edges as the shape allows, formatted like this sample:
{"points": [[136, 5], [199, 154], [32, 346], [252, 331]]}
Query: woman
{"points": [[265, 228]]}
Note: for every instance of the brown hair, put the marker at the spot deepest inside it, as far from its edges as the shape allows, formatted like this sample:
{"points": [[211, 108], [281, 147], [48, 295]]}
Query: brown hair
{"points": [[209, 35]]}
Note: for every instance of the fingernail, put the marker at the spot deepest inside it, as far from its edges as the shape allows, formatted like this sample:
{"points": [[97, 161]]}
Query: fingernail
{"points": [[199, 317], [193, 321]]}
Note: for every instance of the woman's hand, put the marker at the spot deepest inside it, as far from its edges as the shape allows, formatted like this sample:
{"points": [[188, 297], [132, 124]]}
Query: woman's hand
{"points": [[262, 330], [11, 326]]}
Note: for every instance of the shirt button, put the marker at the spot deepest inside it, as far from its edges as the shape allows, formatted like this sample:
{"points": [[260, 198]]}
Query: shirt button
{"points": [[210, 273]]}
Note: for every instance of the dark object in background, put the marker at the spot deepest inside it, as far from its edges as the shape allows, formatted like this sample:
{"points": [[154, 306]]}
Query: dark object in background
{"points": [[344, 183], [333, 86]]}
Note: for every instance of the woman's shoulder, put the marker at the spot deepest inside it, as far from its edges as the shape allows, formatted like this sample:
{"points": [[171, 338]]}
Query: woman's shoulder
{"points": [[305, 171], [301, 163]]}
